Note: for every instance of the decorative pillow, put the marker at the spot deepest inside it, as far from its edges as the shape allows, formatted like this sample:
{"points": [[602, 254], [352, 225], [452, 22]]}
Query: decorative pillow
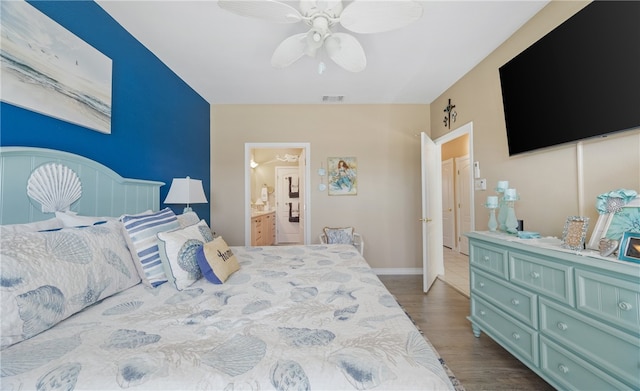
{"points": [[71, 220], [187, 219], [339, 235], [216, 260], [178, 253], [49, 276], [44, 225], [141, 233]]}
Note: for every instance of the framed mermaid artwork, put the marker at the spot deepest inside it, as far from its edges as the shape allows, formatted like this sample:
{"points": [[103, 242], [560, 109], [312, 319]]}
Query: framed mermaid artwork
{"points": [[343, 175]]}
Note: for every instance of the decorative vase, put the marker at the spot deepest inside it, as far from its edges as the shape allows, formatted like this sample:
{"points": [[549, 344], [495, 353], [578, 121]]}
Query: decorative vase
{"points": [[493, 223], [502, 215], [511, 222]]}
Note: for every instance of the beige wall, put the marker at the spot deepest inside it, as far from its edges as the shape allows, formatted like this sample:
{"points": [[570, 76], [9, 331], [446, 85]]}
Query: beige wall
{"points": [[385, 140], [548, 180]]}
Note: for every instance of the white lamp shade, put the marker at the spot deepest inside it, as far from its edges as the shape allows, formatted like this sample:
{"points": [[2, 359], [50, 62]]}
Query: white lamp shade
{"points": [[186, 191]]}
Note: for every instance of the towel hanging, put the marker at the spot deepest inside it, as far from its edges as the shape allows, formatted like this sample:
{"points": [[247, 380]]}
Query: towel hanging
{"points": [[294, 215], [293, 188]]}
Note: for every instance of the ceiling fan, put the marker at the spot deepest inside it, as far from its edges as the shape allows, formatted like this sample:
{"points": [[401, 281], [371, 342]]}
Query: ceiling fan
{"points": [[359, 16]]}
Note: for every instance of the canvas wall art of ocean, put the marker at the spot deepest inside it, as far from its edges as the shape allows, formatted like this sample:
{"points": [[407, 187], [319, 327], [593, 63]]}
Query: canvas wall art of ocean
{"points": [[47, 69]]}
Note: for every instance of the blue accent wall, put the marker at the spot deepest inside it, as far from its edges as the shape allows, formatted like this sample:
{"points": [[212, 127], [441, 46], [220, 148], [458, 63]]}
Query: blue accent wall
{"points": [[160, 127]]}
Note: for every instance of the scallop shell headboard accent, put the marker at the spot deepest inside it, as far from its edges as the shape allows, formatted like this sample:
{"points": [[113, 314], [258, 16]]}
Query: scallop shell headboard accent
{"points": [[55, 186]]}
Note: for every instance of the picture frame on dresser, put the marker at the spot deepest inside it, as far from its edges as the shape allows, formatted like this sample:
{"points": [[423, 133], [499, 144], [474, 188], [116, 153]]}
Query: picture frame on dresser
{"points": [[613, 225], [575, 232], [630, 247]]}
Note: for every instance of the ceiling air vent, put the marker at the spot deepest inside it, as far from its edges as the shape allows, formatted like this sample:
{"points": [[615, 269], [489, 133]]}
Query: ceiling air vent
{"points": [[333, 98]]}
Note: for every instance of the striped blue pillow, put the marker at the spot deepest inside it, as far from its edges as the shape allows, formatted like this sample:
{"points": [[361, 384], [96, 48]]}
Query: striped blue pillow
{"points": [[142, 238]]}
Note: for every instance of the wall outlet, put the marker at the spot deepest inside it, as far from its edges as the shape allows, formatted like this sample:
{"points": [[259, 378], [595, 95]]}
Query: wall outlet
{"points": [[480, 184]]}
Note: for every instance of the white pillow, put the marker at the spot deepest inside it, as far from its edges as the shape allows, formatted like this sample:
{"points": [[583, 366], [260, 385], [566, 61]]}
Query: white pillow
{"points": [[178, 252], [35, 226], [49, 276], [70, 219], [187, 219]]}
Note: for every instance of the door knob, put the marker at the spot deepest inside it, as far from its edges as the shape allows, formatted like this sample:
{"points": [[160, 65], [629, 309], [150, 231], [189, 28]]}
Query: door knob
{"points": [[426, 220]]}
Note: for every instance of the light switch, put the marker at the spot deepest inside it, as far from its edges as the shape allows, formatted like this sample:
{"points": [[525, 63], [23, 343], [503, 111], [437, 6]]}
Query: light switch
{"points": [[480, 184]]}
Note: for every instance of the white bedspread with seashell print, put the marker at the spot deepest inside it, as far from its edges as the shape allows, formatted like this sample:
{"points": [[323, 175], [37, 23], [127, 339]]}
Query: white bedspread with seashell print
{"points": [[292, 318]]}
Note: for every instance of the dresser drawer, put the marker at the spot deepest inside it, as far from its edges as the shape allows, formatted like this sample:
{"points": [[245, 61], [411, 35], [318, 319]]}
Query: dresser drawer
{"points": [[612, 300], [548, 278], [518, 302], [571, 372], [610, 349], [492, 259], [520, 340]]}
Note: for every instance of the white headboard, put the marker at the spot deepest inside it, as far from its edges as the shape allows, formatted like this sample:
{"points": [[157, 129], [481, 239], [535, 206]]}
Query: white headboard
{"points": [[104, 192]]}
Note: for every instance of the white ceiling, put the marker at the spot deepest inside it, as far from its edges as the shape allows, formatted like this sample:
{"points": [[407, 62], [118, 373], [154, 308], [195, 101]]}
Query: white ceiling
{"points": [[226, 58]]}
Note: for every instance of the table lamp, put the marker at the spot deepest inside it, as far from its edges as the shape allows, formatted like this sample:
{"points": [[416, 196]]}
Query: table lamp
{"points": [[186, 191]]}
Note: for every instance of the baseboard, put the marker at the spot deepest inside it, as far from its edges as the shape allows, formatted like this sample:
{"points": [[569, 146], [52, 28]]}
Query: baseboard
{"points": [[397, 271]]}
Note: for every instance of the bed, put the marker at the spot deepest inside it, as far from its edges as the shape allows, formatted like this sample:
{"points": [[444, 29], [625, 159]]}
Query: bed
{"points": [[288, 318]]}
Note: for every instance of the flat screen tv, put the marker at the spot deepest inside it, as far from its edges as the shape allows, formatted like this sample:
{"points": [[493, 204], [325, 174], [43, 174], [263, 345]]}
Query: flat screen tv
{"points": [[579, 81]]}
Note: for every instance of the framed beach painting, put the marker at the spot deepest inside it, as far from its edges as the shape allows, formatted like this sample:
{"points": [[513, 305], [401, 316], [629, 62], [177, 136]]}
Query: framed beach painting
{"points": [[47, 69], [343, 175]]}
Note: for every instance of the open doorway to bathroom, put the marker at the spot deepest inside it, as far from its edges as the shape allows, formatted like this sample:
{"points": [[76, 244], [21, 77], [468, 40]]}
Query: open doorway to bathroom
{"points": [[456, 210], [276, 186]]}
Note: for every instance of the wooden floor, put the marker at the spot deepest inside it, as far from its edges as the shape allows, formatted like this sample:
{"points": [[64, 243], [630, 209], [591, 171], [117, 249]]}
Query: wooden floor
{"points": [[478, 363]]}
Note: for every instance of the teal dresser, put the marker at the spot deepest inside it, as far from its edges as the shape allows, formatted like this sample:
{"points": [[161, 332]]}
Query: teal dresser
{"points": [[573, 319]]}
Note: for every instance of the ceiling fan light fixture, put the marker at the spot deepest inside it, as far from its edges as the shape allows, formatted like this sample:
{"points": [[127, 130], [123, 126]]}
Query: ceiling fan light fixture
{"points": [[358, 16]]}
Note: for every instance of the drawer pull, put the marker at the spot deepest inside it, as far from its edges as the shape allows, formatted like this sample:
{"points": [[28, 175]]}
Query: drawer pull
{"points": [[486, 258], [515, 301], [562, 326], [515, 336], [563, 368], [623, 305], [482, 313], [535, 275], [481, 285]]}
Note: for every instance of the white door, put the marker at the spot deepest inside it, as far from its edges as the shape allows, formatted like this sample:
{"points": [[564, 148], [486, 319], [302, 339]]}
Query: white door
{"points": [[289, 206], [432, 252], [448, 205], [463, 198]]}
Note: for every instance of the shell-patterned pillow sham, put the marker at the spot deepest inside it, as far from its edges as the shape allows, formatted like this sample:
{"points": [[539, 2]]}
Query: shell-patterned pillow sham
{"points": [[49, 276]]}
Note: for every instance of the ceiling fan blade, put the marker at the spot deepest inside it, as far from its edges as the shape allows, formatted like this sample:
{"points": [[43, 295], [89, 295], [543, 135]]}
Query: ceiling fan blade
{"points": [[273, 11], [332, 8], [289, 51], [346, 51], [379, 16]]}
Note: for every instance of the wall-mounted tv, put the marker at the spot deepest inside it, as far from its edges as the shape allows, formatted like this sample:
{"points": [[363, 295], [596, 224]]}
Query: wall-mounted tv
{"points": [[579, 81]]}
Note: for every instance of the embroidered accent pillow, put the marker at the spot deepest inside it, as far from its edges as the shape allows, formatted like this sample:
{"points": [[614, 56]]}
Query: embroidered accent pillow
{"points": [[141, 233], [339, 235], [216, 260], [49, 276], [178, 253]]}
